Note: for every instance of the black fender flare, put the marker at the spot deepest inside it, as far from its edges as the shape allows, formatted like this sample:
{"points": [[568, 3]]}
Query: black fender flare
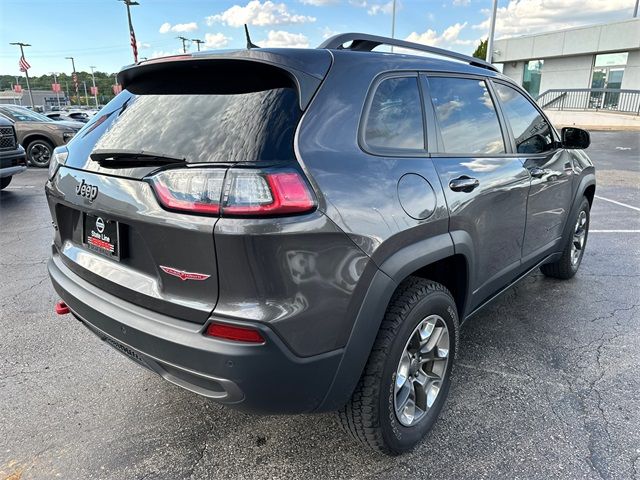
{"points": [[386, 279], [586, 181]]}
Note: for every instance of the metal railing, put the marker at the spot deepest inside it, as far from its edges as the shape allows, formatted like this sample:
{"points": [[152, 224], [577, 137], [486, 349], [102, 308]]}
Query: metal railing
{"points": [[596, 99]]}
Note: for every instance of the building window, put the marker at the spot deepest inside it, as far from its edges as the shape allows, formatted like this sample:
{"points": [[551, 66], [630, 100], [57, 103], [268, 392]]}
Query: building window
{"points": [[532, 76], [608, 70]]}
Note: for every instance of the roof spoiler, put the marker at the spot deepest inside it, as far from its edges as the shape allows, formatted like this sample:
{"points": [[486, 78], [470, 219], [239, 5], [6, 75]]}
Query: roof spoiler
{"points": [[363, 42]]}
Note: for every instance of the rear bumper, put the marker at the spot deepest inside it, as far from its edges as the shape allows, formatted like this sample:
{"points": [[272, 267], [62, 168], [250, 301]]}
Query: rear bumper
{"points": [[266, 378]]}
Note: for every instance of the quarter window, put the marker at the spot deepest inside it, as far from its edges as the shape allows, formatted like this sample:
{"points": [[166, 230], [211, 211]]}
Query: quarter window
{"points": [[466, 116], [530, 130], [395, 120]]}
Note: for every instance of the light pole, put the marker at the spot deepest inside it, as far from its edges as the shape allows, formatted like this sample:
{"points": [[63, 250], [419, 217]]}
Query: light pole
{"points": [[492, 30], [25, 67], [132, 35], [197, 41], [74, 77], [393, 22], [55, 82], [95, 91], [86, 96], [184, 43]]}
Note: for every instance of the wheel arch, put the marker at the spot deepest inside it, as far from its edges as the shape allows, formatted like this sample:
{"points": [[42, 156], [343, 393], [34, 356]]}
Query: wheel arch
{"points": [[37, 136], [433, 259]]}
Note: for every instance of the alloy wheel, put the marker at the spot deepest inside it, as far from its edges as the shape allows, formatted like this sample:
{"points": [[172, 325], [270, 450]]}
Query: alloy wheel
{"points": [[421, 370], [579, 238], [39, 154]]}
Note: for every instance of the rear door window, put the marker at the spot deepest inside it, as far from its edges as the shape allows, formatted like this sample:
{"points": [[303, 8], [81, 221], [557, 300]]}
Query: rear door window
{"points": [[258, 125], [466, 116], [394, 120], [530, 130]]}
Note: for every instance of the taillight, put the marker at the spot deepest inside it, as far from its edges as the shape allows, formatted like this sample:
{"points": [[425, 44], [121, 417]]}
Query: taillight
{"points": [[241, 192], [235, 333]]}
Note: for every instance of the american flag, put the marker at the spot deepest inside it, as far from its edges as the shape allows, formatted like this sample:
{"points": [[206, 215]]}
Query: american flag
{"points": [[134, 44], [24, 65]]}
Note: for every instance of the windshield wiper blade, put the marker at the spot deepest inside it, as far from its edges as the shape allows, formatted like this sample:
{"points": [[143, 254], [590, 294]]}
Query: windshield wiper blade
{"points": [[133, 158]]}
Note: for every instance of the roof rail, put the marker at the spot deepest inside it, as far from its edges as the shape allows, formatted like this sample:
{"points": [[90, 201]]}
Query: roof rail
{"points": [[363, 42]]}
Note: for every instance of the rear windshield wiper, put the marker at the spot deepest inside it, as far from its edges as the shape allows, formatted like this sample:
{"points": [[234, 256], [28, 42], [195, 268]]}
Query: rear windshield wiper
{"points": [[133, 158]]}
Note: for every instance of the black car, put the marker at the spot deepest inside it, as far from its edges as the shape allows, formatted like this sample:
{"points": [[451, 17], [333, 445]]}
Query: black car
{"points": [[305, 230], [12, 156]]}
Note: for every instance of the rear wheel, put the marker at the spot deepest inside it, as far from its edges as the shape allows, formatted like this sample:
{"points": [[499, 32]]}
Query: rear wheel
{"points": [[568, 264], [406, 379], [4, 182], [39, 152]]}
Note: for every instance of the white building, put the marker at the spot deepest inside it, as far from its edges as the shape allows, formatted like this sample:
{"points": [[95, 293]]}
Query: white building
{"points": [[597, 56]]}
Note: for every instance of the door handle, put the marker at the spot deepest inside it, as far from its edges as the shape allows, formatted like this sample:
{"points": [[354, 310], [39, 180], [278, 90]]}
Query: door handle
{"points": [[537, 172], [464, 184]]}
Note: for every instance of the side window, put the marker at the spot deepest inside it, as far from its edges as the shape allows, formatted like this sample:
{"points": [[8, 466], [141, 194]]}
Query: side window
{"points": [[531, 132], [466, 116], [394, 120]]}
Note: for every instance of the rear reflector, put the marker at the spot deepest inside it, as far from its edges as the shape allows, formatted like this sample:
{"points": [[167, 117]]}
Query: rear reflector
{"points": [[242, 192], [61, 308], [232, 332]]}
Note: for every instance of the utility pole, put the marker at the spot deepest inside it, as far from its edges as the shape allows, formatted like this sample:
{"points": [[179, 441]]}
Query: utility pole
{"points": [[74, 77], [198, 42], [492, 30], [55, 81], [26, 73], [95, 92], [635, 10], [184, 43], [132, 35]]}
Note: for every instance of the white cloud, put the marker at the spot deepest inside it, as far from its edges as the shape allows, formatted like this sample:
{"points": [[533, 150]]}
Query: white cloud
{"points": [[521, 17], [166, 27], [258, 13], [318, 3], [142, 45], [328, 32], [448, 37], [279, 38], [374, 8], [216, 40], [461, 3], [163, 53]]}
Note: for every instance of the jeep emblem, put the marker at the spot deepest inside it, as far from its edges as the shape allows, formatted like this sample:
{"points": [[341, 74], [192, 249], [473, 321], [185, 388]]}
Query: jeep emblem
{"points": [[87, 191]]}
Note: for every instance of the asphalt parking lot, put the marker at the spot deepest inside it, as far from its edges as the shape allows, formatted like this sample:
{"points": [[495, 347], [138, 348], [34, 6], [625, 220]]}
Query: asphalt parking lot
{"points": [[547, 383]]}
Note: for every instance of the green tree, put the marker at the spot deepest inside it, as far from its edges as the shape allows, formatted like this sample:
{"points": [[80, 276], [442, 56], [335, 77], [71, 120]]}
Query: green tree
{"points": [[481, 50]]}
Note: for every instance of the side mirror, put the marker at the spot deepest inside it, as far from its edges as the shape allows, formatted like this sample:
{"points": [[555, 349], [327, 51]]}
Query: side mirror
{"points": [[575, 138]]}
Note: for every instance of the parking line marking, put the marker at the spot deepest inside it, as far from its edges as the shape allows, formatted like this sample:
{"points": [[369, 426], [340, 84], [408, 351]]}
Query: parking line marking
{"points": [[617, 203], [614, 231]]}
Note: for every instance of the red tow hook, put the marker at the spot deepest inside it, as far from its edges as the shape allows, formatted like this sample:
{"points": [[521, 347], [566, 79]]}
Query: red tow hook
{"points": [[61, 308]]}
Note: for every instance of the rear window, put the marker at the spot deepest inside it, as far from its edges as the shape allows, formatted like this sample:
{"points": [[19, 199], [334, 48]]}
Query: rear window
{"points": [[258, 125]]}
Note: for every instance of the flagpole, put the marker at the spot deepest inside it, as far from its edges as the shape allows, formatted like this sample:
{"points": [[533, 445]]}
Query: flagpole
{"points": [[132, 35], [492, 30], [75, 79], [26, 73]]}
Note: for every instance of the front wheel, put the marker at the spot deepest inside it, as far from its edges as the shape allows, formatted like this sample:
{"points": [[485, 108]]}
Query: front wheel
{"points": [[39, 153], [568, 264], [406, 380]]}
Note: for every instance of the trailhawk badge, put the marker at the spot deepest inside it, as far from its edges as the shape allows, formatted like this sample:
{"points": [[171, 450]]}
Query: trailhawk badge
{"points": [[182, 275]]}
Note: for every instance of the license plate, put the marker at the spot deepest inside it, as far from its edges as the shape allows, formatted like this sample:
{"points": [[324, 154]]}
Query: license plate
{"points": [[102, 235]]}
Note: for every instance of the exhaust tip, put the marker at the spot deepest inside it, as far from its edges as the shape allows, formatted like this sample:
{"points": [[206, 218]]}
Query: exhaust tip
{"points": [[61, 308]]}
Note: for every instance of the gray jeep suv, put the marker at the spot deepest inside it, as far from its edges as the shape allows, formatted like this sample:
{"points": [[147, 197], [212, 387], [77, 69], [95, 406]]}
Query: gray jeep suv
{"points": [[286, 230]]}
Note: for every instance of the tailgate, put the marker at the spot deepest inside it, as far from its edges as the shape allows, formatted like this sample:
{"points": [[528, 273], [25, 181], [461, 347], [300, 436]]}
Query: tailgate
{"points": [[149, 238]]}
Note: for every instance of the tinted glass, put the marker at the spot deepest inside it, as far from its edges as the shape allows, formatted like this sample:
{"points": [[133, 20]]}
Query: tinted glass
{"points": [[531, 132], [395, 115], [208, 128], [19, 114], [466, 115]]}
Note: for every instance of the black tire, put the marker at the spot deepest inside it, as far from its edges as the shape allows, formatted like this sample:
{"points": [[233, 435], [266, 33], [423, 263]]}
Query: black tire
{"points": [[39, 152], [370, 416], [4, 182], [568, 264]]}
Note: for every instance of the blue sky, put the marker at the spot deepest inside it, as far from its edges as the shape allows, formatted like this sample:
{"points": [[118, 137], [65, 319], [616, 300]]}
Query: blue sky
{"points": [[95, 32]]}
